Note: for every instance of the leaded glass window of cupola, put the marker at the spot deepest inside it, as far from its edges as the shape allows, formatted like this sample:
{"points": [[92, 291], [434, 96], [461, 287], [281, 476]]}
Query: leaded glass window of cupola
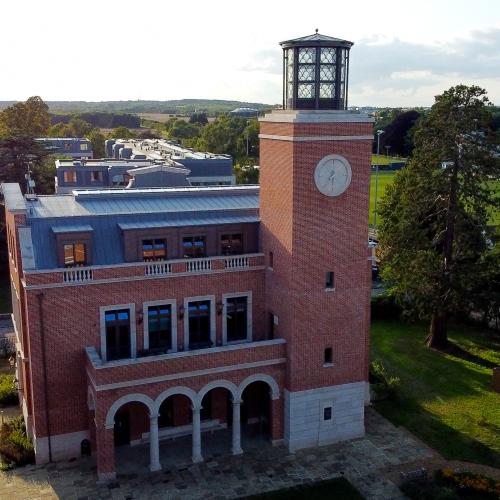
{"points": [[289, 73], [327, 70], [306, 73]]}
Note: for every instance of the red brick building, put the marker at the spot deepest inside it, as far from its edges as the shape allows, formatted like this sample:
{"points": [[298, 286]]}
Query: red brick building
{"points": [[142, 315]]}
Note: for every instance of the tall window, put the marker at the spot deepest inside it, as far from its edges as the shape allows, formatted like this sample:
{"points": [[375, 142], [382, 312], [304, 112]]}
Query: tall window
{"points": [[154, 250], [194, 246], [199, 324], [117, 334], [96, 176], [160, 327], [70, 177], [231, 244], [329, 280], [74, 255], [236, 318]]}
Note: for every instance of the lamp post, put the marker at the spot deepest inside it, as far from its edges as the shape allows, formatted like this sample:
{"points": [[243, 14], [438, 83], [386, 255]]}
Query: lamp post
{"points": [[379, 133]]}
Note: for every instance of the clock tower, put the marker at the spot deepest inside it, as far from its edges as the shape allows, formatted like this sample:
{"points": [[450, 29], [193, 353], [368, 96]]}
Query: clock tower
{"points": [[315, 159]]}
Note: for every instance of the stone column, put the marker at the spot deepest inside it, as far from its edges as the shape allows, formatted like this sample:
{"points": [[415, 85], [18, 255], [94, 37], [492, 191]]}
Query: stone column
{"points": [[105, 453], [276, 421], [236, 428], [197, 457], [154, 444]]}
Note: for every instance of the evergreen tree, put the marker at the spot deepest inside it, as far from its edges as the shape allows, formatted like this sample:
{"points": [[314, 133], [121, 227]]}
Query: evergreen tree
{"points": [[434, 216]]}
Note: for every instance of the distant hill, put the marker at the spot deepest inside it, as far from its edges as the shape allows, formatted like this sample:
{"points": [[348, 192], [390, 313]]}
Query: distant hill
{"points": [[181, 106]]}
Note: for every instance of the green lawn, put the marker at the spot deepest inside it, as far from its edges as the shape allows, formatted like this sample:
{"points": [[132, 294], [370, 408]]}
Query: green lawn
{"points": [[384, 179], [333, 489], [385, 160], [445, 400]]}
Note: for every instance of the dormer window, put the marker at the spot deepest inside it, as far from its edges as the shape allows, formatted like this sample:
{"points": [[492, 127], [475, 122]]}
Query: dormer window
{"points": [[154, 250], [75, 254], [231, 244], [70, 177]]}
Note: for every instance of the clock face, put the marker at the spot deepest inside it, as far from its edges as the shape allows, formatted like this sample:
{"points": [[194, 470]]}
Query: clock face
{"points": [[332, 175]]}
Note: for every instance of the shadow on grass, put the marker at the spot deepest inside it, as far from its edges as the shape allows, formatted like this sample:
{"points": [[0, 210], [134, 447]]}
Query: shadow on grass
{"points": [[449, 442], [332, 489], [458, 352]]}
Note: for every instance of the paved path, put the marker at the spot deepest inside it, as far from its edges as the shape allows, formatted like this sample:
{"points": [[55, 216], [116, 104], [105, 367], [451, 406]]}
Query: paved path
{"points": [[364, 462]]}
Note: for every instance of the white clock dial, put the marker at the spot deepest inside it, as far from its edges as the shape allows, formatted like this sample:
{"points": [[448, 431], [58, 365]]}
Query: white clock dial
{"points": [[332, 175]]}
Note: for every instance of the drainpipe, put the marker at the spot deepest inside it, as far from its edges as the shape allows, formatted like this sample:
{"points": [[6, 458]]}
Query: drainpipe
{"points": [[44, 365]]}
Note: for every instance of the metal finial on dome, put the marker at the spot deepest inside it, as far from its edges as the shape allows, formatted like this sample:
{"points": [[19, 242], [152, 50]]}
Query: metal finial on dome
{"points": [[317, 30]]}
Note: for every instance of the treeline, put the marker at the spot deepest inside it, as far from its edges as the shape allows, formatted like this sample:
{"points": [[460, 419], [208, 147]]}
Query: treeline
{"points": [[100, 119], [212, 107], [399, 128]]}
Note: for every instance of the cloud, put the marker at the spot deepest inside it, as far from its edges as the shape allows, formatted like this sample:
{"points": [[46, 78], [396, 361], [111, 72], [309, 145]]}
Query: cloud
{"points": [[385, 70]]}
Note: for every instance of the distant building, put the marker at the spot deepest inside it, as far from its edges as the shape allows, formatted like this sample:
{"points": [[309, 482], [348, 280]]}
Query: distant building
{"points": [[123, 156], [110, 173], [69, 147], [245, 112]]}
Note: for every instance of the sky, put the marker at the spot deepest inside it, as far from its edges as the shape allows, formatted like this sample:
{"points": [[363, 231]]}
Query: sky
{"points": [[404, 53]]}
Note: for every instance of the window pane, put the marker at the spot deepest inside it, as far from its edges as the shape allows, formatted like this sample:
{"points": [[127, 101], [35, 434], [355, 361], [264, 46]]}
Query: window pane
{"points": [[69, 256], [327, 72], [326, 90], [328, 55], [306, 72], [160, 327], [199, 324], [117, 334], [307, 55], [80, 253], [236, 318], [306, 90]]}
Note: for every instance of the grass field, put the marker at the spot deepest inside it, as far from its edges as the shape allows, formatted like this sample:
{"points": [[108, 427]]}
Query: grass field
{"points": [[384, 179], [445, 400]]}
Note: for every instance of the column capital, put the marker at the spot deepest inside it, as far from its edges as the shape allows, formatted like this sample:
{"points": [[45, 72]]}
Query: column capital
{"points": [[236, 401], [196, 409], [153, 415]]}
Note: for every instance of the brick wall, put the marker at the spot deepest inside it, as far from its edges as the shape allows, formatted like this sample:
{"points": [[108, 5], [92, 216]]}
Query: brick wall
{"points": [[310, 234]]}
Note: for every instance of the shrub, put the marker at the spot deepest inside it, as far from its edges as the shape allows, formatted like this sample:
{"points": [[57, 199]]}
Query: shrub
{"points": [[386, 386], [385, 307], [8, 391], [469, 485], [15, 446], [425, 490]]}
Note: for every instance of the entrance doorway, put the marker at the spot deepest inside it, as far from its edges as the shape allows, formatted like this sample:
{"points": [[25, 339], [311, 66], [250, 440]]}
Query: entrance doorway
{"points": [[122, 427]]}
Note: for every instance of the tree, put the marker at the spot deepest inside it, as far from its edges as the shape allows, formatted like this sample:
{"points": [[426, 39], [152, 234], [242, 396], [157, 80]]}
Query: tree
{"points": [[15, 154], [121, 133], [397, 133], [79, 127], [200, 118], [97, 140], [30, 118], [434, 216]]}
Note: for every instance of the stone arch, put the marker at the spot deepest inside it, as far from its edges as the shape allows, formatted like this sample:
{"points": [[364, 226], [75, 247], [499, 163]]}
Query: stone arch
{"points": [[129, 398], [174, 391], [260, 377], [216, 384]]}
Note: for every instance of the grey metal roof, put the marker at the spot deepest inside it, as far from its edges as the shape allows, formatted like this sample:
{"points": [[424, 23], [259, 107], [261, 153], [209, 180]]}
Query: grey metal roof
{"points": [[75, 228], [192, 221], [14, 199], [108, 212], [114, 202], [316, 39]]}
